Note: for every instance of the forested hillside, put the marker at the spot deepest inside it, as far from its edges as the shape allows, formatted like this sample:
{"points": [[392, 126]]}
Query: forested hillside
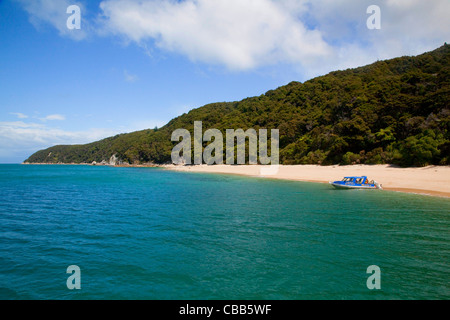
{"points": [[395, 111]]}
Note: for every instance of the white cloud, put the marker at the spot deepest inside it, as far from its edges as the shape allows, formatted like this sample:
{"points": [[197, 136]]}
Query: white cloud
{"points": [[54, 13], [20, 132], [19, 115], [53, 117], [408, 27], [238, 34], [130, 77], [21, 138], [312, 36]]}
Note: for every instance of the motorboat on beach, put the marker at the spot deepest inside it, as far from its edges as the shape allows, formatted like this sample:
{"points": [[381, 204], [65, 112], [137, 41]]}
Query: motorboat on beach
{"points": [[356, 183]]}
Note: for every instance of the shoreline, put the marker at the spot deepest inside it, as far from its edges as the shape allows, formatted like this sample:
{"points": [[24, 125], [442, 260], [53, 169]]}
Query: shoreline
{"points": [[430, 180]]}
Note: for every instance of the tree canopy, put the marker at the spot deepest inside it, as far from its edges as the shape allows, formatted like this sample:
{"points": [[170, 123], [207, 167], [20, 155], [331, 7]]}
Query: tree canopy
{"points": [[390, 112]]}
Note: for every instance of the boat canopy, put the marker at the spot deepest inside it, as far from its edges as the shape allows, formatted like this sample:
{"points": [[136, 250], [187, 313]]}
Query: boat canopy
{"points": [[356, 179]]}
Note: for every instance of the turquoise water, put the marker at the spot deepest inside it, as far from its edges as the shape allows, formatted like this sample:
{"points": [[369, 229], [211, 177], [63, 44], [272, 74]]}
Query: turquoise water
{"points": [[145, 233]]}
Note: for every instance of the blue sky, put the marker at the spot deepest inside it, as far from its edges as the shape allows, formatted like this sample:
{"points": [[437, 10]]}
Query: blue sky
{"points": [[137, 64]]}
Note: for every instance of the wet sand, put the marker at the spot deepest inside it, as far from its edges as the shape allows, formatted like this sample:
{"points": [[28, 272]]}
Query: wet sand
{"points": [[431, 180]]}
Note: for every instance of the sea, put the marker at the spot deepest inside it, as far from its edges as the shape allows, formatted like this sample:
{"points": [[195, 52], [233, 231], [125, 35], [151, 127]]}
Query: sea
{"points": [[98, 232]]}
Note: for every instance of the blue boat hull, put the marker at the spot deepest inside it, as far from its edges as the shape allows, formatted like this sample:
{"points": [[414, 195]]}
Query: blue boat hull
{"points": [[340, 185]]}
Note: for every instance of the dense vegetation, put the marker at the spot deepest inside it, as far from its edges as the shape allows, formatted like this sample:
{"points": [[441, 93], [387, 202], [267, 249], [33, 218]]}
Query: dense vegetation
{"points": [[393, 111]]}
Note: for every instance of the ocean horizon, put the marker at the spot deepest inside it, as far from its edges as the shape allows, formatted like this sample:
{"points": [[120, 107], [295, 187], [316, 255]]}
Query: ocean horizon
{"points": [[149, 233]]}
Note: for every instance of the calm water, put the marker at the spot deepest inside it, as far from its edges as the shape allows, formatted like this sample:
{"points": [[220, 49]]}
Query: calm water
{"points": [[153, 234]]}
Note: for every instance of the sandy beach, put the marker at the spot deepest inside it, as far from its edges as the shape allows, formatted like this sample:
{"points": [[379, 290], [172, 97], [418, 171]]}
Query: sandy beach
{"points": [[431, 180]]}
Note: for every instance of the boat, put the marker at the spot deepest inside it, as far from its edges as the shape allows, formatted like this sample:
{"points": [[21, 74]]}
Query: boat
{"points": [[356, 183]]}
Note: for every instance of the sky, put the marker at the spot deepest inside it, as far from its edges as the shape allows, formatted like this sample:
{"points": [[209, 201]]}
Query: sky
{"points": [[136, 64]]}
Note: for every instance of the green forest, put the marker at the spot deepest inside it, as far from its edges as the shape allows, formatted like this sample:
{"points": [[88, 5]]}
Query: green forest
{"points": [[390, 112]]}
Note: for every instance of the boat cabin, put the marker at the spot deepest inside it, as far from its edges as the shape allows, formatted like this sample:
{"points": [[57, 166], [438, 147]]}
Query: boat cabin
{"points": [[356, 180]]}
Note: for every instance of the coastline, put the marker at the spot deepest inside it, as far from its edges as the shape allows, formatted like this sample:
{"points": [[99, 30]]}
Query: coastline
{"points": [[431, 180]]}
